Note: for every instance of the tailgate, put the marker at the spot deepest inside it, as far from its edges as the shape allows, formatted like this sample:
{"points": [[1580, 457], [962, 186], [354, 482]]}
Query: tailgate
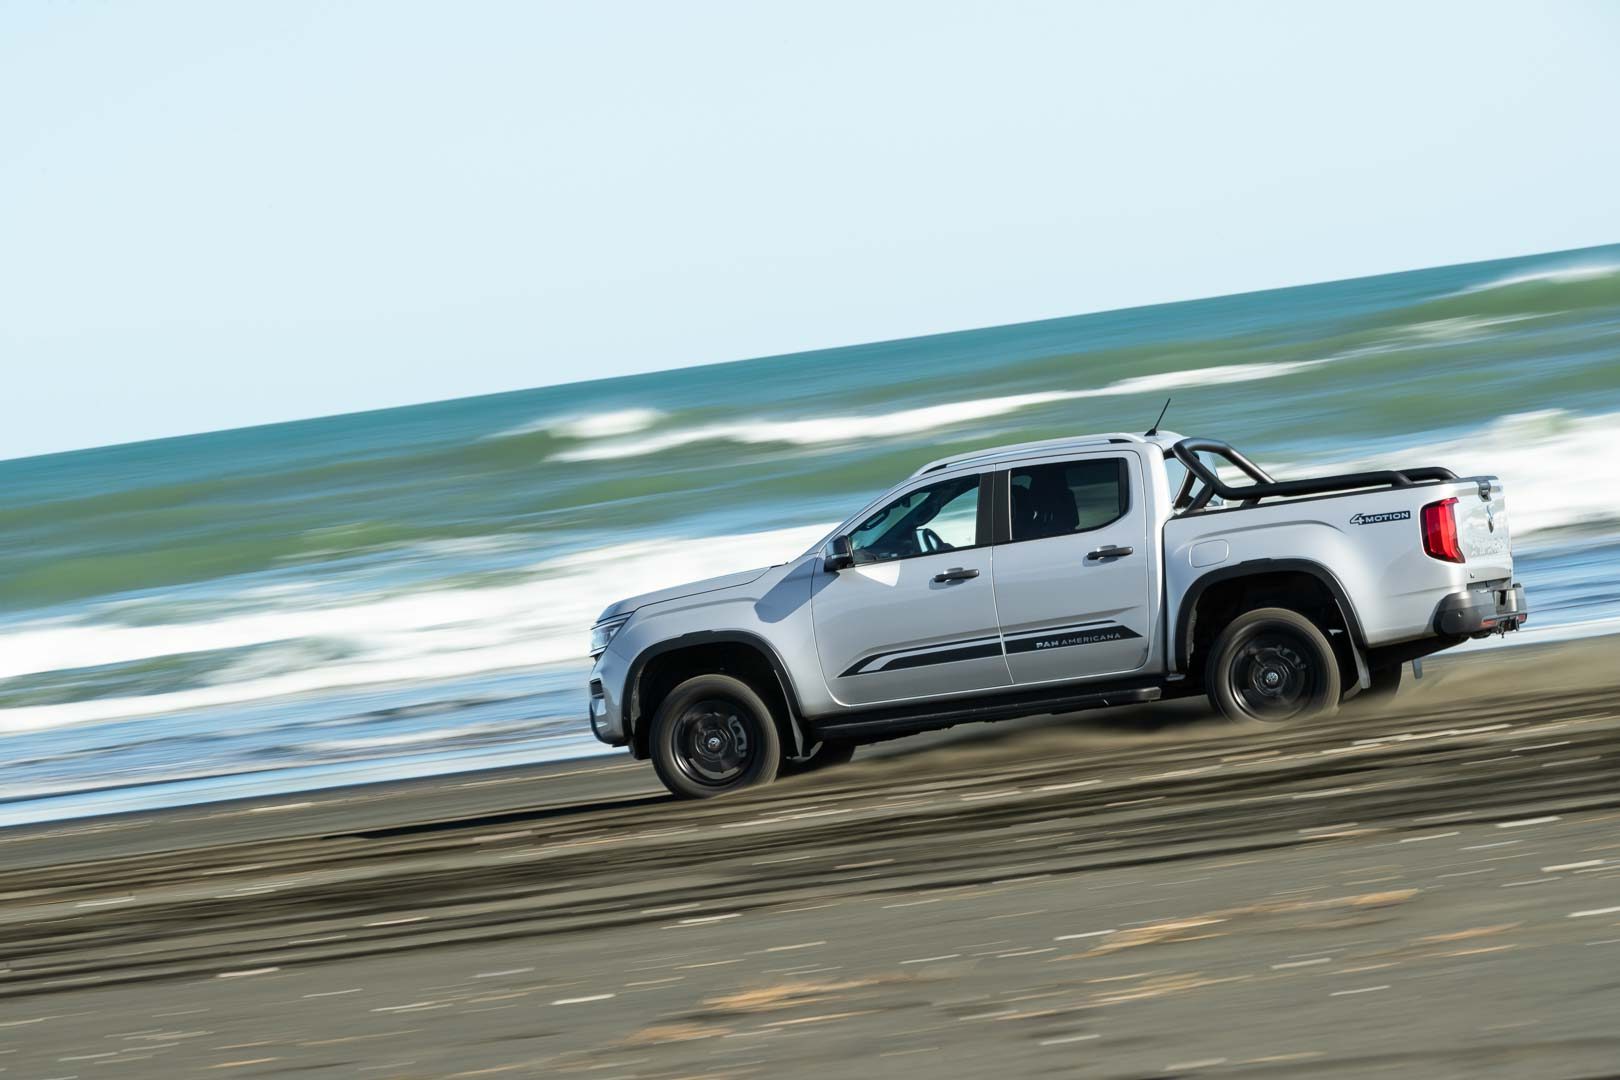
{"points": [[1482, 528]]}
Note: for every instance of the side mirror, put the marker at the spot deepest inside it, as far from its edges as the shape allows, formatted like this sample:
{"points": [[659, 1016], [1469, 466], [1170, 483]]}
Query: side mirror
{"points": [[840, 555]]}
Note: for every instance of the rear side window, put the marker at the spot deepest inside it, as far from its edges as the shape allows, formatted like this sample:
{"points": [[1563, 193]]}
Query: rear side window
{"points": [[1068, 497]]}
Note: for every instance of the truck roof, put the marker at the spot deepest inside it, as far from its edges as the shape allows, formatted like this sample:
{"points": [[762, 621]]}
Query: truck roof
{"points": [[993, 454]]}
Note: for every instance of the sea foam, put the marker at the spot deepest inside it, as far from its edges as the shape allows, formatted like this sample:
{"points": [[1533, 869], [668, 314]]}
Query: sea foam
{"points": [[1560, 469], [1553, 275], [848, 428], [599, 425], [421, 635]]}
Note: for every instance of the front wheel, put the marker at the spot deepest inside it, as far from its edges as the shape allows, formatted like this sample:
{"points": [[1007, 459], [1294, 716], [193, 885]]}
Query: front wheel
{"points": [[712, 736], [1272, 666]]}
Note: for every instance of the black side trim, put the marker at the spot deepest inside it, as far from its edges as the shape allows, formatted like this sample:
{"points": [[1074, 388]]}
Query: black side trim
{"points": [[1064, 639], [886, 722], [631, 706], [947, 651], [1195, 592], [979, 648], [949, 656], [1059, 628]]}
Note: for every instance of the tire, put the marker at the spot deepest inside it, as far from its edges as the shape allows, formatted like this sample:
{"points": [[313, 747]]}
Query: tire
{"points": [[826, 755], [713, 735], [1272, 666]]}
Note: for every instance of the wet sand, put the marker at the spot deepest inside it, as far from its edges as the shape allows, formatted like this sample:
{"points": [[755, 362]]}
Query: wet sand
{"points": [[1430, 891]]}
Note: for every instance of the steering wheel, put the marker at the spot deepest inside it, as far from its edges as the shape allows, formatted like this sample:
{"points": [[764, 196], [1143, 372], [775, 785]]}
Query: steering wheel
{"points": [[931, 541]]}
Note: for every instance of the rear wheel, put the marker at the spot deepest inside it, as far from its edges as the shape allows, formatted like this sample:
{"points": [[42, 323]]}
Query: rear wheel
{"points": [[1272, 666], [712, 736]]}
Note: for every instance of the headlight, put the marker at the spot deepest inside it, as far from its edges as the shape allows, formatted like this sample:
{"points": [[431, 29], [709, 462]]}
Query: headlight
{"points": [[603, 632]]}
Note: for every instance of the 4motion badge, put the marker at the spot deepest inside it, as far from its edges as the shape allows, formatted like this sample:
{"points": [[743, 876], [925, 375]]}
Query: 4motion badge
{"points": [[1379, 519]]}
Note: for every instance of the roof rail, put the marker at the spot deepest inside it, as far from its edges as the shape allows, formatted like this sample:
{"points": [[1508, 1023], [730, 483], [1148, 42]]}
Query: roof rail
{"points": [[1018, 448]]}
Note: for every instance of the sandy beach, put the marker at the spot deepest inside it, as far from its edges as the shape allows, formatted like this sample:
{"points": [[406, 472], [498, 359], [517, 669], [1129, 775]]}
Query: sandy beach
{"points": [[1431, 890], [415, 409]]}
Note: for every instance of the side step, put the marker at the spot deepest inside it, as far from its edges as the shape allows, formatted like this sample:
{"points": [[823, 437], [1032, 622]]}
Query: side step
{"points": [[905, 719]]}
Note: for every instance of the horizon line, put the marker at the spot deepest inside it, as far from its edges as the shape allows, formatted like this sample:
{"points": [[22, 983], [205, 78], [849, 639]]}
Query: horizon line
{"points": [[767, 357]]}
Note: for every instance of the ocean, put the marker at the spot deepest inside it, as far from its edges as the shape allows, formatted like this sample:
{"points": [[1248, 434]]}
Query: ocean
{"points": [[409, 591]]}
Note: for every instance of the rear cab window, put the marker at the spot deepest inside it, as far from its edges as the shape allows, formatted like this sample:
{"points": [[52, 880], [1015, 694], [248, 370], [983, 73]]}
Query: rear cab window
{"points": [[1067, 497]]}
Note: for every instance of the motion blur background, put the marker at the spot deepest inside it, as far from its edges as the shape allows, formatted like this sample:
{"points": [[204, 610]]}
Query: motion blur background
{"points": [[217, 216], [408, 591]]}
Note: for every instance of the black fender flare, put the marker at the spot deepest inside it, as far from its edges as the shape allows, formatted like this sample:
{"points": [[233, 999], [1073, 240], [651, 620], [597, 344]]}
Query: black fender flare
{"points": [[632, 699], [1253, 568]]}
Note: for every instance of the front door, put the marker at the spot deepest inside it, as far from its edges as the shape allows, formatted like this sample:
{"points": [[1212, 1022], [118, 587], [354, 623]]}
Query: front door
{"points": [[1072, 582], [915, 617]]}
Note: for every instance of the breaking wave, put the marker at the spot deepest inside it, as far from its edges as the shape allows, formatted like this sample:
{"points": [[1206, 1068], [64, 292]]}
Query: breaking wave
{"points": [[444, 633], [1555, 275], [392, 593], [600, 425], [1560, 470], [424, 635], [835, 429]]}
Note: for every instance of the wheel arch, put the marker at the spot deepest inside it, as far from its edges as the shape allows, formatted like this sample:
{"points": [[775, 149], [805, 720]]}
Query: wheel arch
{"points": [[748, 656], [1186, 618]]}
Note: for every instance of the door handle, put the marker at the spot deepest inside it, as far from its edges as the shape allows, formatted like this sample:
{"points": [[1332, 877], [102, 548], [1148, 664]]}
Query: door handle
{"points": [[1112, 551], [955, 573]]}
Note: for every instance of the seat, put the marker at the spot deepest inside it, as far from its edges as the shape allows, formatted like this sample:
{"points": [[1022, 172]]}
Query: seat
{"points": [[1045, 508]]}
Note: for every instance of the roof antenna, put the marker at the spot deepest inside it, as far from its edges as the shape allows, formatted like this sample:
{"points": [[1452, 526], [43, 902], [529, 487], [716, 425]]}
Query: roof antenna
{"points": [[1154, 430]]}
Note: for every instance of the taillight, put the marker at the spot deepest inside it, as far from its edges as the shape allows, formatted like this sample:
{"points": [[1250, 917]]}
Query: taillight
{"points": [[1440, 531]]}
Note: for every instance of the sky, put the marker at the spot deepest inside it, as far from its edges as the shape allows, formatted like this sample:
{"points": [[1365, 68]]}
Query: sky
{"points": [[214, 215]]}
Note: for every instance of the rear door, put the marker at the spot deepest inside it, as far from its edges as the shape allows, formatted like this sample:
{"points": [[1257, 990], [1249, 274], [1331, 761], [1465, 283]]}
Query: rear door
{"points": [[1072, 581], [915, 617]]}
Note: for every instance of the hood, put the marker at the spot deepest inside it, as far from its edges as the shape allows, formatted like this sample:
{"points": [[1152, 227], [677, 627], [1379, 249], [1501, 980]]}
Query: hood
{"points": [[675, 592]]}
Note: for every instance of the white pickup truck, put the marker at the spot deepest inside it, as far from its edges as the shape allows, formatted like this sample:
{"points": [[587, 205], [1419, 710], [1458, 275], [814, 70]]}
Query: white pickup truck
{"points": [[1050, 577]]}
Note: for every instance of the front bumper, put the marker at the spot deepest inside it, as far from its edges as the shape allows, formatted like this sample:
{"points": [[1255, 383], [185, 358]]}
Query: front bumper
{"points": [[1481, 612], [604, 721], [607, 687]]}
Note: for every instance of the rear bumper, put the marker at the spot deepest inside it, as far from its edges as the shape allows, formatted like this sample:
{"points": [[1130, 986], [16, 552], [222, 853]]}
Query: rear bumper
{"points": [[1479, 612]]}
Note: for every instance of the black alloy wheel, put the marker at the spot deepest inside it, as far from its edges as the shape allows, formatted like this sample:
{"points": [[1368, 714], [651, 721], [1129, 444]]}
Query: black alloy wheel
{"points": [[712, 742], [1273, 666], [714, 735]]}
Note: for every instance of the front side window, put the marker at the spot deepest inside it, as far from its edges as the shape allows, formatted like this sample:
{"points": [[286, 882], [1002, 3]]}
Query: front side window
{"points": [[1068, 497], [923, 521]]}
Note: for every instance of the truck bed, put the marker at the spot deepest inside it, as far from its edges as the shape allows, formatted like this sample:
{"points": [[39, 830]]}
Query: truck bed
{"points": [[1369, 541]]}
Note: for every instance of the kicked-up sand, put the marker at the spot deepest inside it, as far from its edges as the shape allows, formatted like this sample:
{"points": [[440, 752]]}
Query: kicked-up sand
{"points": [[1432, 890]]}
